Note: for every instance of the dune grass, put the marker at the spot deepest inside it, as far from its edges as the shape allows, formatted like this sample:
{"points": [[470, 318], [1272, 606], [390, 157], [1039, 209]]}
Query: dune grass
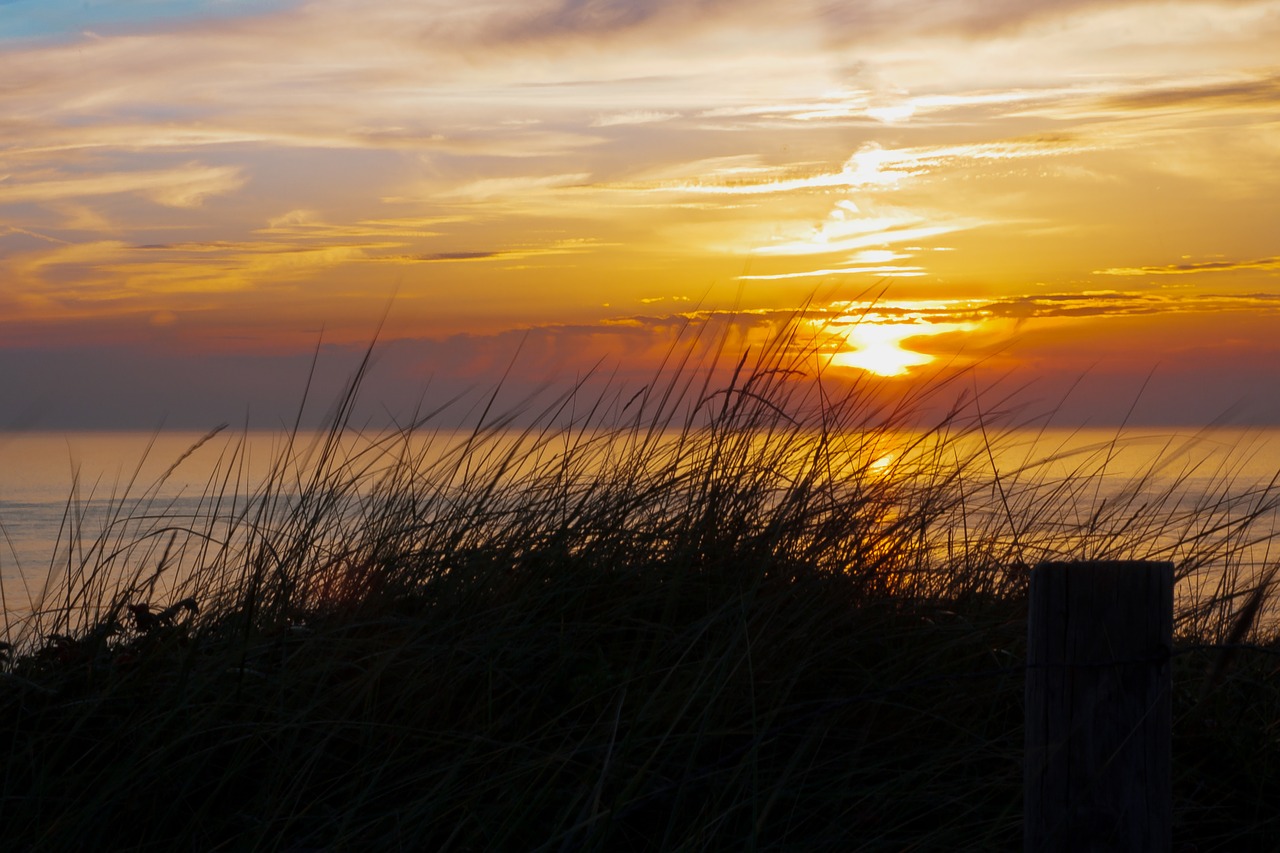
{"points": [[731, 610]]}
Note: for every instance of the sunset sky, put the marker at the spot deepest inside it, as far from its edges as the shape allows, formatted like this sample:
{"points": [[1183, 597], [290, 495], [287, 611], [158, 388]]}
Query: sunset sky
{"points": [[193, 193]]}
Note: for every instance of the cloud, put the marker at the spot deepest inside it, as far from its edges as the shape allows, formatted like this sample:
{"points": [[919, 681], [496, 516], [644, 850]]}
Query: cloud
{"points": [[1053, 306], [93, 281], [514, 187], [864, 21], [1272, 263], [872, 166], [892, 271], [14, 229], [869, 19], [603, 17], [185, 186], [309, 225], [291, 127], [569, 246], [866, 233], [841, 22], [458, 256], [633, 117], [1260, 93]]}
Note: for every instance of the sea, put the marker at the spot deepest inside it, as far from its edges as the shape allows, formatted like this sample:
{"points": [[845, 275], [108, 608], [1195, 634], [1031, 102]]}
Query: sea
{"points": [[60, 493]]}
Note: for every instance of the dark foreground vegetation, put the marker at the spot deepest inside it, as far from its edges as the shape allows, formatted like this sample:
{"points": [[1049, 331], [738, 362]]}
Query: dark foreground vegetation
{"points": [[727, 612]]}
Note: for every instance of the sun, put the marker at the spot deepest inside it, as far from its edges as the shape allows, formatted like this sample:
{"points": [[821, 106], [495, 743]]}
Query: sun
{"points": [[877, 347]]}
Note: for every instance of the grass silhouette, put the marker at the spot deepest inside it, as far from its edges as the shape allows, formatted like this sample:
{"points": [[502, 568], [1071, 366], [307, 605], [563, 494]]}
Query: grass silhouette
{"points": [[733, 609]]}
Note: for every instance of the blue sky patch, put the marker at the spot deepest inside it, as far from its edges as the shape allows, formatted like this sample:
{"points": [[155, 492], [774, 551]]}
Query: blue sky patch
{"points": [[57, 20]]}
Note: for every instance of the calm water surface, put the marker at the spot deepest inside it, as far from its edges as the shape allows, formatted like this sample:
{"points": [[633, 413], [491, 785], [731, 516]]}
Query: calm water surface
{"points": [[48, 481]]}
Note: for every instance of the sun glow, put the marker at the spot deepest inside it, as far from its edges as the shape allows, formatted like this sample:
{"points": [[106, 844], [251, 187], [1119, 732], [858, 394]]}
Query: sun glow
{"points": [[877, 347], [882, 463]]}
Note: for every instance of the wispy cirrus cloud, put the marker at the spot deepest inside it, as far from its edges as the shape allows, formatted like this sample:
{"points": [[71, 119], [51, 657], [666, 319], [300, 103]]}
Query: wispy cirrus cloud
{"points": [[872, 166], [184, 186], [111, 277], [1191, 267], [1253, 92], [1052, 306], [311, 225], [522, 186], [570, 246], [633, 117]]}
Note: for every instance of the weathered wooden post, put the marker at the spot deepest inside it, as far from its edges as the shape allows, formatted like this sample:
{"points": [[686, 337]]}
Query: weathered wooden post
{"points": [[1098, 708]]}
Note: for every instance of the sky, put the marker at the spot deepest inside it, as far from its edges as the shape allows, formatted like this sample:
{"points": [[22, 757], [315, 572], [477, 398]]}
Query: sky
{"points": [[1074, 203]]}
